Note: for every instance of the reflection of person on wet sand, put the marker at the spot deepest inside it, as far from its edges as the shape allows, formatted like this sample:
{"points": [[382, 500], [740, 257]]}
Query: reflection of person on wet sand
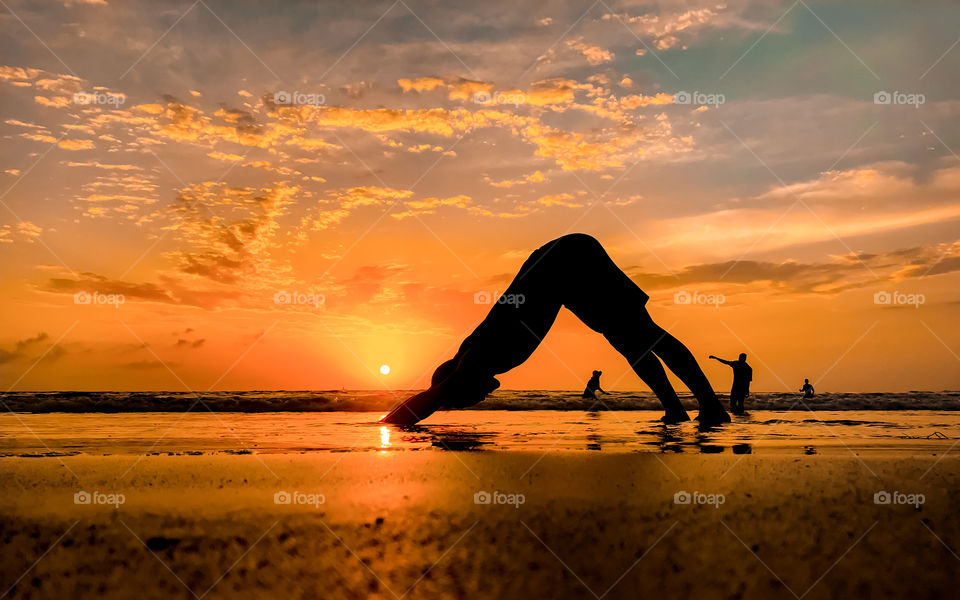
{"points": [[552, 277], [807, 389], [593, 386], [742, 376]]}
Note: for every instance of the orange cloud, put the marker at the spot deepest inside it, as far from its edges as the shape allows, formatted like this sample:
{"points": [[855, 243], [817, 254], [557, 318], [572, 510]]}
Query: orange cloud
{"points": [[423, 84], [100, 165], [76, 144], [535, 177], [224, 156], [595, 54], [429, 205], [563, 199], [39, 137], [55, 102], [465, 89]]}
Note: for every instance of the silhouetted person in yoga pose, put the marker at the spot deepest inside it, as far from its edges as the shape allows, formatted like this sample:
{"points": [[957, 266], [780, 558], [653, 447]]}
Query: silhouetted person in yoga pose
{"points": [[593, 386], [742, 376], [553, 276], [807, 389]]}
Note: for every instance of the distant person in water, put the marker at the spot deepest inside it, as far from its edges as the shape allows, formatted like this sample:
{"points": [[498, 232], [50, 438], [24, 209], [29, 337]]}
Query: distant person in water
{"points": [[573, 271], [742, 376], [807, 389], [593, 386]]}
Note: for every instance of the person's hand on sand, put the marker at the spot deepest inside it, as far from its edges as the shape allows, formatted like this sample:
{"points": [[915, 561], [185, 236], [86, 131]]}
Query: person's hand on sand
{"points": [[456, 390]]}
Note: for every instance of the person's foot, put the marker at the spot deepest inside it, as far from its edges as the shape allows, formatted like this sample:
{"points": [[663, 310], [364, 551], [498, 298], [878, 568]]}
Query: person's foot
{"points": [[675, 417], [712, 413]]}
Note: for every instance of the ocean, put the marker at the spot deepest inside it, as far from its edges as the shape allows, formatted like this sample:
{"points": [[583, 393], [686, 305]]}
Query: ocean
{"points": [[383, 400]]}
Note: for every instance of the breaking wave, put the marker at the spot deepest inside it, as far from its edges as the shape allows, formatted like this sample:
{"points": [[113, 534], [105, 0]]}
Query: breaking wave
{"points": [[380, 400]]}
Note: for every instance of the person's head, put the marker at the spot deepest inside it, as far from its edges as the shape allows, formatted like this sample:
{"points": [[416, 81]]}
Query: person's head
{"points": [[597, 373], [743, 357], [806, 381]]}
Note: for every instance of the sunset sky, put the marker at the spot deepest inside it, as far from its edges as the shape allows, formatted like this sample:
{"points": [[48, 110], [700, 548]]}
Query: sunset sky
{"points": [[383, 163]]}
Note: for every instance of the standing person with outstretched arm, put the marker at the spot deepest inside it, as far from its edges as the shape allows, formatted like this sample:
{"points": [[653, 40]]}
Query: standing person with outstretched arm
{"points": [[742, 376], [551, 278]]}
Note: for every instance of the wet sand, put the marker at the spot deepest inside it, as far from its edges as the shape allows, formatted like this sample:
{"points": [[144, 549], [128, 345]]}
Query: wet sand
{"points": [[406, 524], [534, 431]]}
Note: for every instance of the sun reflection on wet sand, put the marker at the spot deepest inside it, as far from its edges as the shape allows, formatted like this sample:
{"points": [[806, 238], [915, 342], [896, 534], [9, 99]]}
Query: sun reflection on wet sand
{"points": [[384, 438]]}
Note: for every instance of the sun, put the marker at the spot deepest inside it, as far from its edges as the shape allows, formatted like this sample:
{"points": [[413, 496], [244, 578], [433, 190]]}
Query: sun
{"points": [[384, 369]]}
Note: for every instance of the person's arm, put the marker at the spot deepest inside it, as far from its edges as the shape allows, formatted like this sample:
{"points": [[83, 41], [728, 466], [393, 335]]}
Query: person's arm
{"points": [[726, 362]]}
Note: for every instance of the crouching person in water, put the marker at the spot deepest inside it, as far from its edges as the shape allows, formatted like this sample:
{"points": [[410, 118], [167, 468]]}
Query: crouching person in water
{"points": [[593, 386]]}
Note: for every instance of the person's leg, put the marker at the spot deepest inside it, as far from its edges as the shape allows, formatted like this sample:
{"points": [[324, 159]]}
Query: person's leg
{"points": [[646, 335], [649, 369], [736, 401]]}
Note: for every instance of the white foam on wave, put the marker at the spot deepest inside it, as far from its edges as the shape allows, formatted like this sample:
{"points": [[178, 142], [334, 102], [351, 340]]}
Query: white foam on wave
{"points": [[382, 400]]}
